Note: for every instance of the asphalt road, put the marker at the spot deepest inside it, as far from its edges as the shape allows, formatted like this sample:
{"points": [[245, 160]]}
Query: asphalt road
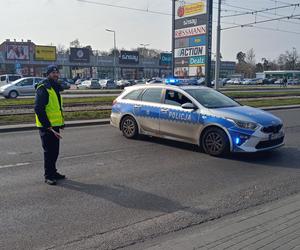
{"points": [[121, 191]]}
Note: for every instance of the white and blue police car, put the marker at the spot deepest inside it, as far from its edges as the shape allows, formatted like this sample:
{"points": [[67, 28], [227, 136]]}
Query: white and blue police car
{"points": [[197, 115]]}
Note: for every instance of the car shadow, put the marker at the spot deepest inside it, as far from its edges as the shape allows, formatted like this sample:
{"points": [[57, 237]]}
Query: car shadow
{"points": [[170, 143], [285, 157], [129, 197]]}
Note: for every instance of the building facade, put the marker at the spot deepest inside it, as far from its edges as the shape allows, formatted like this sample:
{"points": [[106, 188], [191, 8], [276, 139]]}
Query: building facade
{"points": [[28, 59]]}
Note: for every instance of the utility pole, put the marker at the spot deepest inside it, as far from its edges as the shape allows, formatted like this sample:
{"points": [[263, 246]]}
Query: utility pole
{"points": [[218, 54]]}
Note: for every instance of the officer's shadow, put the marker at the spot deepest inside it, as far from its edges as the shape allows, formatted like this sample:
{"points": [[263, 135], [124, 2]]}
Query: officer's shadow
{"points": [[129, 197]]}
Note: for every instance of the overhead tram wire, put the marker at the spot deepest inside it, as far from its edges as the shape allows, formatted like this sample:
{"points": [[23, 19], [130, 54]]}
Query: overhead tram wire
{"points": [[169, 14], [124, 7], [265, 28], [258, 22], [267, 13], [263, 10]]}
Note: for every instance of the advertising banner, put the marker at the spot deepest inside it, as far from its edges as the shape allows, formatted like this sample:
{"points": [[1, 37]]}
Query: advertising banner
{"points": [[45, 53], [192, 29], [129, 57], [80, 55], [190, 51], [189, 8], [184, 72], [17, 51], [190, 21], [165, 59]]}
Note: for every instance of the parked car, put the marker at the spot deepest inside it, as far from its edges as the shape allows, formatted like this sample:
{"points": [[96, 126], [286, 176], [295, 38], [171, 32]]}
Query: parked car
{"points": [[154, 80], [21, 87], [89, 84], [5, 79], [293, 81], [123, 83], [197, 115], [140, 81], [86, 84], [107, 84]]}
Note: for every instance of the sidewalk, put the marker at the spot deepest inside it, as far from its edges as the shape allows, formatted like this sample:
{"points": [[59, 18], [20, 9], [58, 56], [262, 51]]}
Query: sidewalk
{"points": [[275, 225]]}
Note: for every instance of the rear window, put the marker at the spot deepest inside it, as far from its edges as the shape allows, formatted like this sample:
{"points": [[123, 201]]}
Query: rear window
{"points": [[13, 78], [152, 95], [133, 95]]}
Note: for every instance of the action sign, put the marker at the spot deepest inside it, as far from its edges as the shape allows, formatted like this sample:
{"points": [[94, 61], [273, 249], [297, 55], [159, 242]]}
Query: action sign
{"points": [[192, 29]]}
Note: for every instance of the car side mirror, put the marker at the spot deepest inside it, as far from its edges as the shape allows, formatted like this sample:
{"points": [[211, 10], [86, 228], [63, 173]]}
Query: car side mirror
{"points": [[189, 105]]}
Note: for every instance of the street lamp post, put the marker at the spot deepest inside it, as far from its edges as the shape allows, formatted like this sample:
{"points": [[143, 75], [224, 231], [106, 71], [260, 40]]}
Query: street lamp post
{"points": [[144, 45], [115, 48], [218, 54]]}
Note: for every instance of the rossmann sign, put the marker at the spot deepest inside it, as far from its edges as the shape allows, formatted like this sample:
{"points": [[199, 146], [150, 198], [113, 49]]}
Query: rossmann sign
{"points": [[192, 31]]}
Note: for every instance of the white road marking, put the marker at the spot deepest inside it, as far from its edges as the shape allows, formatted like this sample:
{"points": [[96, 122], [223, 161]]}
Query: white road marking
{"points": [[15, 165]]}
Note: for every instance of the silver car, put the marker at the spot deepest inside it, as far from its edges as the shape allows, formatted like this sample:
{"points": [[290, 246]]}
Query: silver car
{"points": [[197, 115], [21, 87]]}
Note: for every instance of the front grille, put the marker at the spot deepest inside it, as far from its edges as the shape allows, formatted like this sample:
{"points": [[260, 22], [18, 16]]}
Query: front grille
{"points": [[268, 144], [272, 129]]}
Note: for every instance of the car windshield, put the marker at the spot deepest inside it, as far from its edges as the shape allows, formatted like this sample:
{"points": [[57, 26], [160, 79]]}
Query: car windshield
{"points": [[210, 98]]}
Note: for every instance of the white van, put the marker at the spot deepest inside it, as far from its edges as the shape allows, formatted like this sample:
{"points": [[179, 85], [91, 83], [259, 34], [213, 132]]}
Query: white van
{"points": [[5, 79]]}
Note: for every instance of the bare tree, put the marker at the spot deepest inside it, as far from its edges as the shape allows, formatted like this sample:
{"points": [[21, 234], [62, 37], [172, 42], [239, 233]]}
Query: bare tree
{"points": [[75, 43], [250, 57], [289, 60]]}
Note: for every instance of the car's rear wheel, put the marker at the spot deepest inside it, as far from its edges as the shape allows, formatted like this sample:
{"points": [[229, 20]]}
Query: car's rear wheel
{"points": [[13, 94], [129, 127], [215, 142]]}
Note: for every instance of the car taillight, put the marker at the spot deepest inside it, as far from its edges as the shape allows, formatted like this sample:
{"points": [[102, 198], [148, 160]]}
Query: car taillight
{"points": [[114, 102]]}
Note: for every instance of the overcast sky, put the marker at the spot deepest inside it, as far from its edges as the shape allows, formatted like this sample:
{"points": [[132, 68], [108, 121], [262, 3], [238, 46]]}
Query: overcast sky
{"points": [[56, 22]]}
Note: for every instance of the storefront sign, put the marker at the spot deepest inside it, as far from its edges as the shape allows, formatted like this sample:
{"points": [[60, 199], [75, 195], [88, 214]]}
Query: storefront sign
{"points": [[45, 53], [165, 59], [80, 55], [129, 57], [17, 51]]}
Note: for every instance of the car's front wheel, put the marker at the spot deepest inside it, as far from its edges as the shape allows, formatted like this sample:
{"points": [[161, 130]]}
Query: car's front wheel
{"points": [[129, 127], [13, 94], [215, 142]]}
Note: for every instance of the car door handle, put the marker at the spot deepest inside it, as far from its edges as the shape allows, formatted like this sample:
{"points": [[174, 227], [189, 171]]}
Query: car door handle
{"points": [[164, 110], [137, 106]]}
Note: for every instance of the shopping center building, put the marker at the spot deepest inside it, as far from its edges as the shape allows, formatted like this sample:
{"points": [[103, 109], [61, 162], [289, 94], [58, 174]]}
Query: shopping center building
{"points": [[29, 59]]}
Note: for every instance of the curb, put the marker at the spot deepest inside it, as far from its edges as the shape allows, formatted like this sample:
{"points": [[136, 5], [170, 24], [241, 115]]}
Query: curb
{"points": [[26, 127]]}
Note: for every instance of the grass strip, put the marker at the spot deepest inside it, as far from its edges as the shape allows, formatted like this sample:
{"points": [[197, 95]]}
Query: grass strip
{"points": [[66, 100], [70, 116], [261, 94], [271, 102]]}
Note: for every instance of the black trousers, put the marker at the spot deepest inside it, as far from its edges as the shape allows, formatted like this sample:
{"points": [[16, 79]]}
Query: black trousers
{"points": [[51, 151]]}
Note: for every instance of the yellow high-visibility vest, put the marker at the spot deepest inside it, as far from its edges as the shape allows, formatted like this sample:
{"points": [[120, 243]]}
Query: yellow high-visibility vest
{"points": [[53, 110]]}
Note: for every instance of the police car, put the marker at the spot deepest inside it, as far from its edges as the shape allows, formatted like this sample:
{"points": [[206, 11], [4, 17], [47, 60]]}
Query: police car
{"points": [[197, 115]]}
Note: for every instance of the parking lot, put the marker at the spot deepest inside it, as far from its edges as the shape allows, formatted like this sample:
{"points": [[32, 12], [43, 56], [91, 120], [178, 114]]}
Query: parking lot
{"points": [[123, 191]]}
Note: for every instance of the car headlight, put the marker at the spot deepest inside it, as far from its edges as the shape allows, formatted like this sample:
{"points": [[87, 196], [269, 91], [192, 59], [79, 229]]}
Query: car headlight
{"points": [[244, 125]]}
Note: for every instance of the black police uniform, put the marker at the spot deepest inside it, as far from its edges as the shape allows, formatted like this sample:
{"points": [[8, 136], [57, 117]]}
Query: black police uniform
{"points": [[50, 142]]}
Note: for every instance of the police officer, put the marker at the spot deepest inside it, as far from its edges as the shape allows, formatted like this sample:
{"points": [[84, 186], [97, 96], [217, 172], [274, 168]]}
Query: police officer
{"points": [[49, 120]]}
